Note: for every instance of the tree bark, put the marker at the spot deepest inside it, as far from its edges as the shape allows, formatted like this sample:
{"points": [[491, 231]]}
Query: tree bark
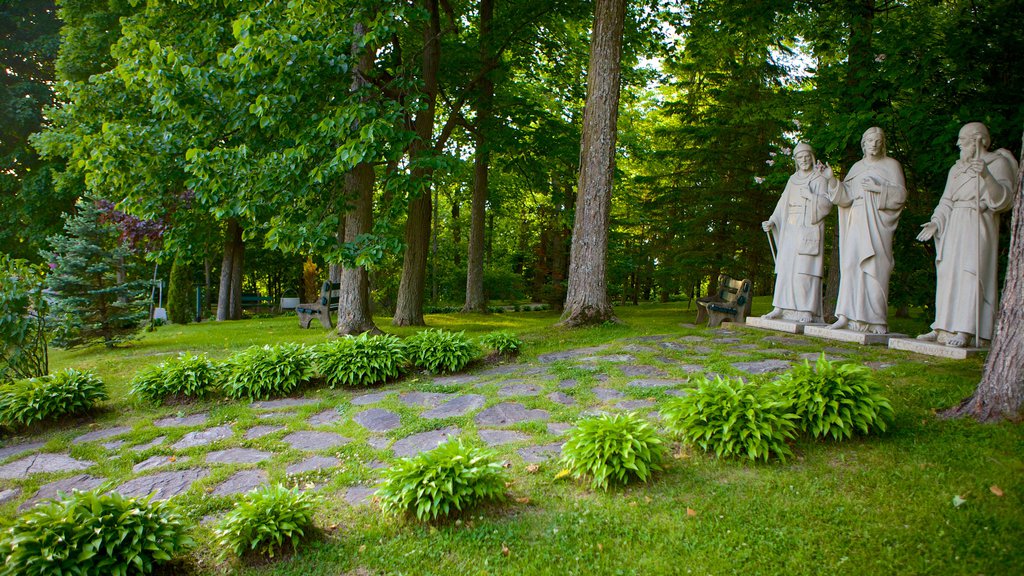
{"points": [[409, 308], [587, 299], [237, 272], [481, 161], [1000, 394], [229, 296]]}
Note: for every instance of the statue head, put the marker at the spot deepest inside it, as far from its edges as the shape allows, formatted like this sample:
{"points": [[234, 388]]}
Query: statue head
{"points": [[803, 156], [872, 143], [971, 136]]}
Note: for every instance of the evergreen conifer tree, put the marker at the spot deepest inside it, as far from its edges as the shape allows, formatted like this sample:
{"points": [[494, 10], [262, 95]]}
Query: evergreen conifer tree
{"points": [[179, 292], [94, 299]]}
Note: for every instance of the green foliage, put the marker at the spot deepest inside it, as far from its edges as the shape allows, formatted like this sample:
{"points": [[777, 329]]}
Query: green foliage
{"points": [[262, 372], [362, 360], [616, 448], [440, 351], [64, 393], [435, 483], [187, 376], [502, 342], [23, 351], [732, 418], [180, 293], [833, 400], [87, 534], [265, 520]]}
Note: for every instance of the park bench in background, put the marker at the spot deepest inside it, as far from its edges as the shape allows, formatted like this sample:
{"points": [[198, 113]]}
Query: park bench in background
{"points": [[321, 309], [256, 301], [731, 302]]}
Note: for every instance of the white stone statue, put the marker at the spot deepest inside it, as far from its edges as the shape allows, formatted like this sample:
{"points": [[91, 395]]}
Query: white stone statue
{"points": [[799, 226], [870, 200], [965, 226]]}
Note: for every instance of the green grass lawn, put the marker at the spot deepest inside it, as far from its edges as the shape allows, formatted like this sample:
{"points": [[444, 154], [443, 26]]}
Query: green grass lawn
{"points": [[874, 505]]}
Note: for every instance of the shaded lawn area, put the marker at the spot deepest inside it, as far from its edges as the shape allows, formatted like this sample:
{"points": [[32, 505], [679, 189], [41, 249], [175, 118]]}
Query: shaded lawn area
{"points": [[875, 505]]}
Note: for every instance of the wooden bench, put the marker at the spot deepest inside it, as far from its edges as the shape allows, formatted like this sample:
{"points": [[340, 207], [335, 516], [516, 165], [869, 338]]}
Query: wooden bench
{"points": [[322, 308], [731, 302], [255, 301]]}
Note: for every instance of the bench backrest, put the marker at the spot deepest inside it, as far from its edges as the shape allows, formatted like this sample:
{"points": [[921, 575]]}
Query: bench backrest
{"points": [[737, 291], [329, 293]]}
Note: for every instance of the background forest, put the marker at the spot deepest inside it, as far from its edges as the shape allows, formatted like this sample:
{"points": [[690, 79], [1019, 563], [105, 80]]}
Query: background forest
{"points": [[437, 143]]}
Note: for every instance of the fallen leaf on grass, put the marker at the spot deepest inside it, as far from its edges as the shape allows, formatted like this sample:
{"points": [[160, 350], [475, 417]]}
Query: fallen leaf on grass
{"points": [[362, 548], [563, 473], [691, 512], [600, 548], [533, 468], [523, 500], [504, 550], [996, 490], [958, 501]]}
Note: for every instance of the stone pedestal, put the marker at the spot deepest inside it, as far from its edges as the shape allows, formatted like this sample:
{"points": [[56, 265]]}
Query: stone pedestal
{"points": [[777, 325], [863, 338], [933, 348]]}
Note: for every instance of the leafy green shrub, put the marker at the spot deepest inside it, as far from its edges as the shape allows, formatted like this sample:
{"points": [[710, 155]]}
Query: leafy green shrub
{"points": [[503, 342], [613, 447], [265, 520], [61, 394], [440, 351], [833, 400], [732, 418], [89, 533], [187, 376], [361, 360], [262, 372], [451, 477], [23, 345]]}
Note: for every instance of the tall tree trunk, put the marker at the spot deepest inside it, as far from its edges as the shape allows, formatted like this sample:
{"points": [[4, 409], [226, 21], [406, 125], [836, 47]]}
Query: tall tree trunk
{"points": [[232, 240], [237, 273], [481, 162], [1000, 394], [409, 309], [587, 298], [207, 284]]}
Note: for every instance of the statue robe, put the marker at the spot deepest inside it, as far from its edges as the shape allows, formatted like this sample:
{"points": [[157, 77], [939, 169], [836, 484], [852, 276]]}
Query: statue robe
{"points": [[867, 221], [962, 238], [800, 213]]}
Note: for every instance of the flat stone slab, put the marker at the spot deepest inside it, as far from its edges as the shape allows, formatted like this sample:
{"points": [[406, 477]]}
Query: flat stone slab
{"points": [[610, 358], [639, 349], [635, 370], [559, 428], [42, 463], [458, 406], [651, 338], [156, 462], [690, 368], [509, 413], [312, 464], [237, 456], [634, 404], [101, 434], [424, 441], [328, 416], [9, 494], [455, 380], [378, 420], [151, 444], [537, 454], [19, 449], [283, 403], [763, 366], [569, 354], [502, 370], [562, 398], [786, 341], [654, 383], [241, 482], [779, 325], [378, 442], [114, 444], [879, 365], [371, 398], [499, 437], [679, 393], [855, 337], [312, 440], [83, 482], [568, 383], [262, 430], [359, 495], [934, 348], [163, 485], [203, 437], [676, 346], [424, 399], [812, 357], [605, 394], [173, 421], [520, 390]]}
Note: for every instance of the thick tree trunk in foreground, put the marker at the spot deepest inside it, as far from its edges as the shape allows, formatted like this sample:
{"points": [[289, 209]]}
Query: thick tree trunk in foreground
{"points": [[587, 299], [1000, 394], [481, 161], [409, 309], [229, 297]]}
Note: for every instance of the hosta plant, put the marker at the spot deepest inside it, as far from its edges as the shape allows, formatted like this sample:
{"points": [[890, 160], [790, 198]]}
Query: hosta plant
{"points": [[187, 376], [361, 360], [503, 342], [835, 400], [262, 372], [440, 351], [732, 418], [433, 484], [63, 393], [613, 449], [265, 520], [87, 533]]}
